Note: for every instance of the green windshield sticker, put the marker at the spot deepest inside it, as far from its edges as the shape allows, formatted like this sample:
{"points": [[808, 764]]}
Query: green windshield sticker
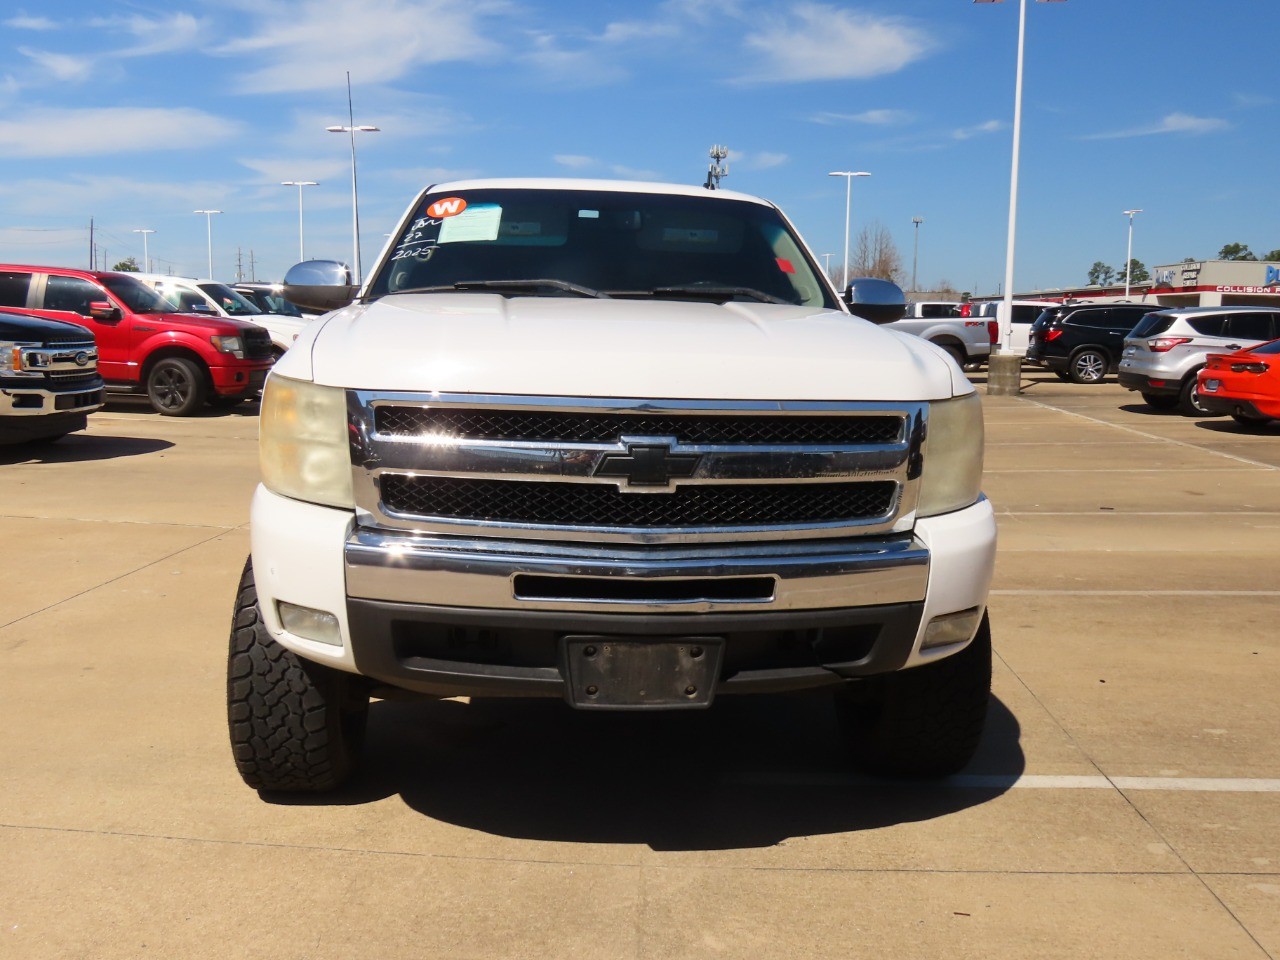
{"points": [[476, 223]]}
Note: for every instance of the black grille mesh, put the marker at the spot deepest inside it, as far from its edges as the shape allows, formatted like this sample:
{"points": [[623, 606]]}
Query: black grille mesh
{"points": [[575, 427], [257, 343], [599, 505]]}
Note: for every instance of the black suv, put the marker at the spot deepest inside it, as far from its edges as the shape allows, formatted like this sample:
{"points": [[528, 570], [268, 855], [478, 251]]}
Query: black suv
{"points": [[1082, 342]]}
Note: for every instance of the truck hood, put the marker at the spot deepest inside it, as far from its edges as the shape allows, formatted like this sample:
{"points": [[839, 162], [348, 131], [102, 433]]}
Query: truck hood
{"points": [[560, 346]]}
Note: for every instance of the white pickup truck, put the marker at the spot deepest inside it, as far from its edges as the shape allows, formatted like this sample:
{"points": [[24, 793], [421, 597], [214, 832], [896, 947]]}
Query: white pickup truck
{"points": [[968, 339], [619, 444]]}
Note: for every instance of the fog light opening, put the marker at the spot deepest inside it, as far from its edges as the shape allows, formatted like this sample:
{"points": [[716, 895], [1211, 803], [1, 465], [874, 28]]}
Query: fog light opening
{"points": [[317, 625], [951, 628]]}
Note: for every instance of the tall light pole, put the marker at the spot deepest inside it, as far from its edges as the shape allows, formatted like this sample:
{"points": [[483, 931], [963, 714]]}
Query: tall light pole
{"points": [[1128, 260], [352, 129], [1005, 331], [915, 253], [299, 184], [208, 219], [848, 192], [146, 258]]}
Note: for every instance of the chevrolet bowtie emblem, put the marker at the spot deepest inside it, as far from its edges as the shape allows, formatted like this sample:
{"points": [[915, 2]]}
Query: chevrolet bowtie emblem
{"points": [[647, 465]]}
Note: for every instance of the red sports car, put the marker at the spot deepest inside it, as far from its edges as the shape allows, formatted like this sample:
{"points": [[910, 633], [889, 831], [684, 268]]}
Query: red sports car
{"points": [[1245, 384]]}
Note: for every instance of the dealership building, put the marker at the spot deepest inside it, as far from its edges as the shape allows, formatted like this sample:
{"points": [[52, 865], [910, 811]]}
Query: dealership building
{"points": [[1199, 283]]}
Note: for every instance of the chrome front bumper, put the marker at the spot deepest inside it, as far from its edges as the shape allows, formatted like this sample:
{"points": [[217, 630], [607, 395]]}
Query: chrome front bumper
{"points": [[522, 575]]}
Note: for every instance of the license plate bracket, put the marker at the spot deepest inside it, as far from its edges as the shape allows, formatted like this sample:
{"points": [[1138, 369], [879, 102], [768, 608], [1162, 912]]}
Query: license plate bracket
{"points": [[641, 673]]}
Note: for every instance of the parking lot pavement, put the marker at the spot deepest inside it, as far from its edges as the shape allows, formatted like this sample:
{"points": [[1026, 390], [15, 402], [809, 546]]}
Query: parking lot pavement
{"points": [[1125, 801]]}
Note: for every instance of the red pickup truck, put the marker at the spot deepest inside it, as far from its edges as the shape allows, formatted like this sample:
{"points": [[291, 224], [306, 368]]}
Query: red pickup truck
{"points": [[179, 360]]}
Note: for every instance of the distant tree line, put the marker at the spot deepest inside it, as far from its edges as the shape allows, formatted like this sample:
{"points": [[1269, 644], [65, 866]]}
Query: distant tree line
{"points": [[1104, 276]]}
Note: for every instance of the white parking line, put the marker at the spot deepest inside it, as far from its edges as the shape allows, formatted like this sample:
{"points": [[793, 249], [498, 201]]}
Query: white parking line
{"points": [[1031, 782], [1136, 593], [1153, 436]]}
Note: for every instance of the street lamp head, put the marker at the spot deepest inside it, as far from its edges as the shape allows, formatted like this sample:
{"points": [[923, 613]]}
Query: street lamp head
{"points": [[298, 183], [917, 220], [206, 211], [1130, 213], [848, 173]]}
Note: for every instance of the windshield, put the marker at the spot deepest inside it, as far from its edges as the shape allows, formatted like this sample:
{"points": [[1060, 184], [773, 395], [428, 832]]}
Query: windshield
{"points": [[599, 242], [270, 302], [231, 302], [1152, 324], [135, 294]]}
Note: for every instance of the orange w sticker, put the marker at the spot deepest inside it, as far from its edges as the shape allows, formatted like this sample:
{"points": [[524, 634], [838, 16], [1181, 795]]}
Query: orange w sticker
{"points": [[448, 207]]}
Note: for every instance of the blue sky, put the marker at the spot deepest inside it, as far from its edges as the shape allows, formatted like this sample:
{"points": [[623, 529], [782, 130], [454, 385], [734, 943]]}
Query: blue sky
{"points": [[136, 114]]}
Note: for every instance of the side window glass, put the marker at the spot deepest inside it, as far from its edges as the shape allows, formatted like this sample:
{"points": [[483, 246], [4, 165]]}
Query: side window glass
{"points": [[1209, 326], [71, 293], [1249, 326], [14, 288]]}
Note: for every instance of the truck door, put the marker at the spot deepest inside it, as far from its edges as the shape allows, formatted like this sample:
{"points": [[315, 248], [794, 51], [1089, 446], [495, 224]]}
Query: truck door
{"points": [[68, 298]]}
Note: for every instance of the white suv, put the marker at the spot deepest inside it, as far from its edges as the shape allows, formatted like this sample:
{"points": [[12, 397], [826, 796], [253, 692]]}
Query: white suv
{"points": [[1165, 351]]}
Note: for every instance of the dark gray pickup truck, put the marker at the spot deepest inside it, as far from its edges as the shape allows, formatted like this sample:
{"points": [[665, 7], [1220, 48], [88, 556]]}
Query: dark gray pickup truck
{"points": [[49, 380]]}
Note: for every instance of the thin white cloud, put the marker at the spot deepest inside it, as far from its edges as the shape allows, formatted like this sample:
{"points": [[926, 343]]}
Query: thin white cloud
{"points": [[309, 45], [575, 161], [85, 132], [633, 173], [875, 118], [25, 21], [576, 68], [757, 161], [630, 31], [180, 31], [46, 198], [1173, 123], [978, 130], [815, 41], [330, 170], [67, 68]]}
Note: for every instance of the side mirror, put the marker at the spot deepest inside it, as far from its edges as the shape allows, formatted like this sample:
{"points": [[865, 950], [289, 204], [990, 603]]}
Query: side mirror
{"points": [[104, 311], [876, 300], [322, 285]]}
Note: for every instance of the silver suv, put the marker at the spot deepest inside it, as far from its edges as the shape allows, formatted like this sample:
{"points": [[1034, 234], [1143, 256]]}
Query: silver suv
{"points": [[1165, 351]]}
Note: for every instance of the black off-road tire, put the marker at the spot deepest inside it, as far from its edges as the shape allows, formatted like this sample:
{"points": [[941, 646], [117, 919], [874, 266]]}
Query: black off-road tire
{"points": [[295, 725], [1160, 401], [177, 387], [923, 722]]}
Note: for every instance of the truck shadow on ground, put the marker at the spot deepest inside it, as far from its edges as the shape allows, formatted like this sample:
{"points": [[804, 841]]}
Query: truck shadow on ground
{"points": [[749, 773], [81, 448]]}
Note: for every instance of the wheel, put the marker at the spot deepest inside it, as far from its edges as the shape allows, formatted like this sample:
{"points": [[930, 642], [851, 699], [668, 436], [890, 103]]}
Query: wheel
{"points": [[1248, 422], [1160, 401], [295, 725], [1088, 366], [1189, 404], [176, 387], [922, 722]]}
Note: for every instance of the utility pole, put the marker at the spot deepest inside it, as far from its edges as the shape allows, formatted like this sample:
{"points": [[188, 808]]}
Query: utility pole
{"points": [[915, 255], [253, 266], [239, 267], [92, 260]]}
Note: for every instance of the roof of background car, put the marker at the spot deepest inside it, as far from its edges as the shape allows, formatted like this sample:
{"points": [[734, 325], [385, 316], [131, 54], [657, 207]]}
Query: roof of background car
{"points": [[604, 186], [1225, 308]]}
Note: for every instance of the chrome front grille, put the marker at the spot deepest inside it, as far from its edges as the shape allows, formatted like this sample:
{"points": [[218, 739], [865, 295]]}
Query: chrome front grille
{"points": [[632, 470]]}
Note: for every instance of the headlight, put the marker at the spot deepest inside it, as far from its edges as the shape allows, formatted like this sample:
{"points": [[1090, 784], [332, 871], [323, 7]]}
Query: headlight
{"points": [[17, 361], [303, 450], [231, 345], [952, 477]]}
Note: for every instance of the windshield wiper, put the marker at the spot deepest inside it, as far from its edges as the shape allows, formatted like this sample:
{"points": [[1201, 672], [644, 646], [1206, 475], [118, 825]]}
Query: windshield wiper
{"points": [[713, 292], [514, 285]]}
